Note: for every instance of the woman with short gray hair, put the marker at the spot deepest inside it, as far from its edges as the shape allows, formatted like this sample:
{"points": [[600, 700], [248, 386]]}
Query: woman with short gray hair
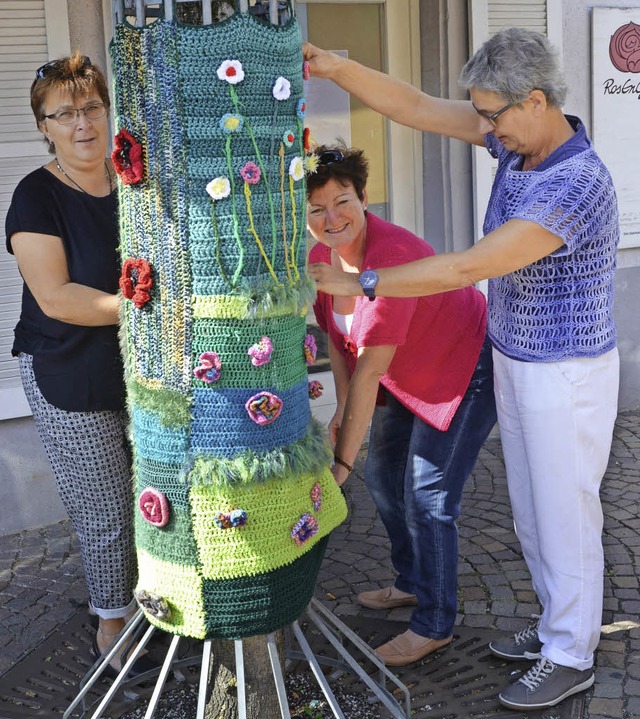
{"points": [[549, 251]]}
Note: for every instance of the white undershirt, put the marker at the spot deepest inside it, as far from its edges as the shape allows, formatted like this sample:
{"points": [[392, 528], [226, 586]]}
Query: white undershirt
{"points": [[343, 322]]}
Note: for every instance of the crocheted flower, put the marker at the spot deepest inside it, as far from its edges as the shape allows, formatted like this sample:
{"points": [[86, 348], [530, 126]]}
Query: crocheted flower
{"points": [[288, 138], [349, 346], [282, 89], [136, 281], [315, 389], [304, 529], [260, 352], [154, 507], [311, 163], [209, 368], [231, 123], [231, 71], [127, 158], [316, 497], [264, 407], [296, 168], [219, 188], [228, 520], [153, 604], [306, 139], [250, 173], [306, 70], [301, 108], [310, 349]]}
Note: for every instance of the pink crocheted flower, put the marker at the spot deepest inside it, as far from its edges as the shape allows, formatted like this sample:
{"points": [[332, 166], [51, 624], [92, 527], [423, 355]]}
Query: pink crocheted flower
{"points": [[154, 507], [264, 407], [350, 347], [209, 368], [261, 352], [231, 71], [316, 497], [306, 70], [250, 173], [304, 529], [315, 389], [310, 349]]}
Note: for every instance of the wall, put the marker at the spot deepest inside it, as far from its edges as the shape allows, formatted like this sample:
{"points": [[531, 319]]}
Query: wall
{"points": [[577, 64]]}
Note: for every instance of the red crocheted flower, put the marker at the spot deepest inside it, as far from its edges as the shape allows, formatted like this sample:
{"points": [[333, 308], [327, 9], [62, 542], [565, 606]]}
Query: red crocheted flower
{"points": [[136, 281], [154, 507], [127, 158], [306, 139]]}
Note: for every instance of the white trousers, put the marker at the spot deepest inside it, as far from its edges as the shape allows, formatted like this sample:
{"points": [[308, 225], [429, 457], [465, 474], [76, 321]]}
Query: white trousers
{"points": [[556, 423]]}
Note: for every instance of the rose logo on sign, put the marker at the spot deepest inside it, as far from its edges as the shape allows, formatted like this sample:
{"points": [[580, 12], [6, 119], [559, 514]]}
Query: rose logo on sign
{"points": [[624, 48]]}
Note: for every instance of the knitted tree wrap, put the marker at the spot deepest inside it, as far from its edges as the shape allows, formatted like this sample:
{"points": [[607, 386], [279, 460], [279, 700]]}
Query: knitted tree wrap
{"points": [[234, 496]]}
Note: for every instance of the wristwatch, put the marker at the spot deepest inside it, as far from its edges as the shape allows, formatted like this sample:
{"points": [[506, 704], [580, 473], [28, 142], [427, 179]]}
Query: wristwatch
{"points": [[368, 281]]}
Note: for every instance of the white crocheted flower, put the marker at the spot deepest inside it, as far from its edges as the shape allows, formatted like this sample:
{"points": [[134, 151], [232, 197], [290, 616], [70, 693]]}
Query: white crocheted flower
{"points": [[282, 89], [231, 71], [296, 168], [219, 188]]}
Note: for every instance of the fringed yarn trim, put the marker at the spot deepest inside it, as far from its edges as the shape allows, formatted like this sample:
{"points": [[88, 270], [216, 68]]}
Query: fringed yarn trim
{"points": [[309, 455], [257, 301]]}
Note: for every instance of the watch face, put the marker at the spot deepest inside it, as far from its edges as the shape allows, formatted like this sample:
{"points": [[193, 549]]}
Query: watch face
{"points": [[368, 279]]}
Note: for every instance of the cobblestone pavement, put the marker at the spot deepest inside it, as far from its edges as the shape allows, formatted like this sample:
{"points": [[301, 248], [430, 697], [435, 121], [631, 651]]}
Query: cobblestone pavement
{"points": [[41, 581]]}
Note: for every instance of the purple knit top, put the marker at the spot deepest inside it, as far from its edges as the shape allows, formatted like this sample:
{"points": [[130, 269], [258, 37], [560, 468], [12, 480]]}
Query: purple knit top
{"points": [[561, 306]]}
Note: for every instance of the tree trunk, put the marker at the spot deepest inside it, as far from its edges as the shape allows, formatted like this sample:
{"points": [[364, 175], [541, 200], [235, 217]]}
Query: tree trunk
{"points": [[222, 694]]}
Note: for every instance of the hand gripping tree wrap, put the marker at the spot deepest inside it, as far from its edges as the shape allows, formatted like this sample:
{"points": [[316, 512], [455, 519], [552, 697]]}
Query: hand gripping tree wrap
{"points": [[234, 498]]}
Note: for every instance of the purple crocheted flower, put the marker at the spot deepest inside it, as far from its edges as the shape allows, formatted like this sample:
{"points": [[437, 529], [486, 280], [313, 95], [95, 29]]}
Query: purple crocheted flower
{"points": [[315, 389], [250, 173], [228, 520], [304, 529], [154, 507], [209, 368], [261, 352], [310, 349], [316, 497], [264, 407]]}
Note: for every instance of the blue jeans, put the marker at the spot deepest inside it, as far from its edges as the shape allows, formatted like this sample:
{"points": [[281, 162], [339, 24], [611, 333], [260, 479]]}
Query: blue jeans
{"points": [[415, 474]]}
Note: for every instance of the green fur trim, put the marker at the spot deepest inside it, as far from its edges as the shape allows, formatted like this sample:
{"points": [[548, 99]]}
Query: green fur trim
{"points": [[172, 408], [257, 301], [309, 455]]}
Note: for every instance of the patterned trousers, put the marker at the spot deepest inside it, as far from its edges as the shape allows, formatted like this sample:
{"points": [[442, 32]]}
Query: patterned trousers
{"points": [[91, 463]]}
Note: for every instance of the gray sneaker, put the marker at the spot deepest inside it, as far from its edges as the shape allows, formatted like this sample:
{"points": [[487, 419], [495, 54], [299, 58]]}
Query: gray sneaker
{"points": [[545, 685], [524, 645]]}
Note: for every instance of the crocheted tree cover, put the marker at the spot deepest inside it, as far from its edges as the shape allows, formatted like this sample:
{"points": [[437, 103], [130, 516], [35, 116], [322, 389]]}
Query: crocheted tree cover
{"points": [[234, 498]]}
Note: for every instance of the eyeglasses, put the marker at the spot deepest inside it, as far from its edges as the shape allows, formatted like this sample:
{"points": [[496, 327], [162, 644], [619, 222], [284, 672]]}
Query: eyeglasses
{"points": [[71, 115], [50, 67], [329, 157], [494, 115]]}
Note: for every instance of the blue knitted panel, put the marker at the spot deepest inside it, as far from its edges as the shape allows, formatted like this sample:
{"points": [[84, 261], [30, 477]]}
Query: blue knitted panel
{"points": [[222, 425]]}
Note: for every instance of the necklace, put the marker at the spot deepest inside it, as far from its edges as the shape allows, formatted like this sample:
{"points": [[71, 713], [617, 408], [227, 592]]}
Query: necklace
{"points": [[106, 173]]}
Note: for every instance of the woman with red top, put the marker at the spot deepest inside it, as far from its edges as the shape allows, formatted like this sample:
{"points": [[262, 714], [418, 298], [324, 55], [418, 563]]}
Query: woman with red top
{"points": [[420, 370]]}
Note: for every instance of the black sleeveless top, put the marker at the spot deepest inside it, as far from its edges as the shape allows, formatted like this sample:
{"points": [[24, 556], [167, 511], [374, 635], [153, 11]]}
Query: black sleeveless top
{"points": [[77, 368]]}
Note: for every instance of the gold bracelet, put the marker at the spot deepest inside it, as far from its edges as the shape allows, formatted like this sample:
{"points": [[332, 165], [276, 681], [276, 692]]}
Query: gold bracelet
{"points": [[339, 460]]}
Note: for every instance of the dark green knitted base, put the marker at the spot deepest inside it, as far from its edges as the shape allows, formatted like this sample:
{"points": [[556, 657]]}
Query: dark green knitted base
{"points": [[249, 606]]}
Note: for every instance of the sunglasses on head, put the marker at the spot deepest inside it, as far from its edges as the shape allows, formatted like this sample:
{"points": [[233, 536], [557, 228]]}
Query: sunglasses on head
{"points": [[50, 67], [328, 157]]}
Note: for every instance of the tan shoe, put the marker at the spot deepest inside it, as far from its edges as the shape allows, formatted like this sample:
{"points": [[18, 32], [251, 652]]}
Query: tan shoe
{"points": [[408, 648], [386, 598]]}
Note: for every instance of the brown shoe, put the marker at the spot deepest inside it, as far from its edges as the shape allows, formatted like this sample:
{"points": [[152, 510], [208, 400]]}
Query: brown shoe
{"points": [[386, 598], [408, 648]]}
